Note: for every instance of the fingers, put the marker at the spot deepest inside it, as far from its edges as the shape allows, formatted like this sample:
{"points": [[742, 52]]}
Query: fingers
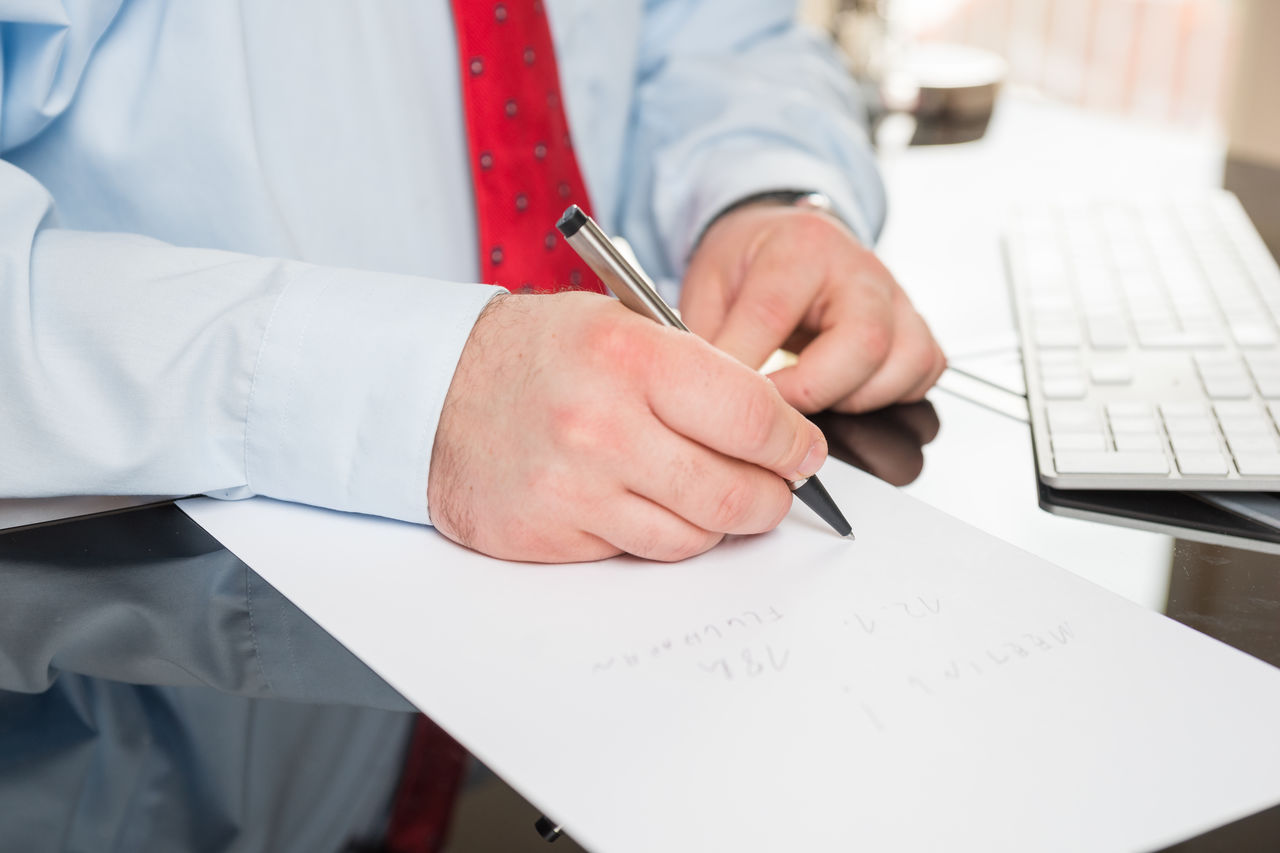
{"points": [[573, 430], [714, 401], [856, 338], [766, 277], [703, 297], [775, 295], [709, 490], [911, 368], [639, 526]]}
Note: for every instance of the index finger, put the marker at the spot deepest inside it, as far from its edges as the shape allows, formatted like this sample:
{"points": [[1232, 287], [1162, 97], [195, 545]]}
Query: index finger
{"points": [[853, 343], [705, 395], [776, 294]]}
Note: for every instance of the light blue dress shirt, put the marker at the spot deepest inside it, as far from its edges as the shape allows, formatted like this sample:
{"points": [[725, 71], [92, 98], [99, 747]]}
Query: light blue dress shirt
{"points": [[236, 238], [237, 256]]}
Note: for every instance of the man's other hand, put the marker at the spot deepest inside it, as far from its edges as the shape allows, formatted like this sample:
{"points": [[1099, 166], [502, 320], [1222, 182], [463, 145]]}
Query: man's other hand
{"points": [[768, 276], [575, 430]]}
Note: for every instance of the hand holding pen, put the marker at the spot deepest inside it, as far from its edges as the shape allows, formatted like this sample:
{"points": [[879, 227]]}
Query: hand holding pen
{"points": [[574, 429], [635, 290]]}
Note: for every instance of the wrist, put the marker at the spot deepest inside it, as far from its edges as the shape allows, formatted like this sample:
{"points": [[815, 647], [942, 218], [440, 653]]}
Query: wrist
{"points": [[793, 198]]}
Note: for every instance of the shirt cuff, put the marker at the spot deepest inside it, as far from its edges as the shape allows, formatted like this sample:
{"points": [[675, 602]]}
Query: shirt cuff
{"points": [[347, 392], [734, 174]]}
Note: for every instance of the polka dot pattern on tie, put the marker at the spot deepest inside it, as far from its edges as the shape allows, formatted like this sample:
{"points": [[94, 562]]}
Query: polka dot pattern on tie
{"points": [[523, 165]]}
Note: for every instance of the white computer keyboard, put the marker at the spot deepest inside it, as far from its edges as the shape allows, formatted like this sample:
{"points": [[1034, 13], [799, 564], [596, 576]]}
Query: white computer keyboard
{"points": [[1150, 343]]}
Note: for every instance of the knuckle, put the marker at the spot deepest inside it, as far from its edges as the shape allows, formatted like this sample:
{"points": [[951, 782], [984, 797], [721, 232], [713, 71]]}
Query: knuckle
{"points": [[734, 507], [671, 543], [574, 426], [770, 502], [689, 545], [586, 428], [876, 341], [771, 310], [757, 418], [779, 496], [616, 346], [924, 362]]}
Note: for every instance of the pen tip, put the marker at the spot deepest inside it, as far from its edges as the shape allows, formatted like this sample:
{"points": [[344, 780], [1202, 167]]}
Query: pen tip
{"points": [[850, 536]]}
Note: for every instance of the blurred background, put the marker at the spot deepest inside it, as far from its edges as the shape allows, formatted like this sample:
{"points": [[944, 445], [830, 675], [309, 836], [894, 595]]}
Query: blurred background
{"points": [[1207, 67], [1164, 60]]}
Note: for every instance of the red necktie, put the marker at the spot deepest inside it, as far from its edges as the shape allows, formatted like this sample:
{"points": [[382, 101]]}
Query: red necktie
{"points": [[525, 174], [522, 163]]}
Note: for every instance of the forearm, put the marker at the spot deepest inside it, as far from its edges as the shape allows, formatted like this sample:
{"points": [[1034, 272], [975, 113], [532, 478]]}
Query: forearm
{"points": [[134, 367]]}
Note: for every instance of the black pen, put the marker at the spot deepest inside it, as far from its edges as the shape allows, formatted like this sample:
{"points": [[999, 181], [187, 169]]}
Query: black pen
{"points": [[635, 290]]}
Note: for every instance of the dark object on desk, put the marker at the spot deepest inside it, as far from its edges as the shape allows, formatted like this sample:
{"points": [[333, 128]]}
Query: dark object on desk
{"points": [[1172, 513], [1233, 596], [548, 829], [888, 443], [956, 92]]}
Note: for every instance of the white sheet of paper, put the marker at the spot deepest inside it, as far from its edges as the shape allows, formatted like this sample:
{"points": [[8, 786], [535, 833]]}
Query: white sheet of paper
{"points": [[927, 687]]}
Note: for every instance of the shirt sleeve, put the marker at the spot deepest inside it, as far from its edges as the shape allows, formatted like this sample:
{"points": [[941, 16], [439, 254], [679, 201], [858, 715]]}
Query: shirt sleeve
{"points": [[734, 98], [134, 367]]}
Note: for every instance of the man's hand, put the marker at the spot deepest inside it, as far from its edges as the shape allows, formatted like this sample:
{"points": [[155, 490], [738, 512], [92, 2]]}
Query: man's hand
{"points": [[768, 276], [575, 430]]}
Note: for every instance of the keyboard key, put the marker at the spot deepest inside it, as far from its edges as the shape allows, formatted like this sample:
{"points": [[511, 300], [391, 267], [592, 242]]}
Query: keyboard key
{"points": [[1263, 360], [1063, 389], [1202, 464], [1057, 370], [1078, 441], [1059, 337], [1138, 441], [1228, 388], [1128, 409], [1191, 426], [1212, 360], [1258, 464], [1136, 462], [1228, 412], [1246, 424], [1153, 339], [1250, 442], [1120, 300], [1134, 424], [1178, 410], [1268, 385], [1106, 331], [1111, 373], [1193, 443], [1253, 334], [1071, 417]]}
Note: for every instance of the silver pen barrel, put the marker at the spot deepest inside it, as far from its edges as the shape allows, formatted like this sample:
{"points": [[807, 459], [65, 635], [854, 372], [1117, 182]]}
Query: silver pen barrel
{"points": [[632, 287]]}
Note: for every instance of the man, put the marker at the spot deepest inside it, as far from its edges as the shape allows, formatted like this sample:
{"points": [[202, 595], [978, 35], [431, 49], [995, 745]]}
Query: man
{"points": [[239, 254], [335, 136]]}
